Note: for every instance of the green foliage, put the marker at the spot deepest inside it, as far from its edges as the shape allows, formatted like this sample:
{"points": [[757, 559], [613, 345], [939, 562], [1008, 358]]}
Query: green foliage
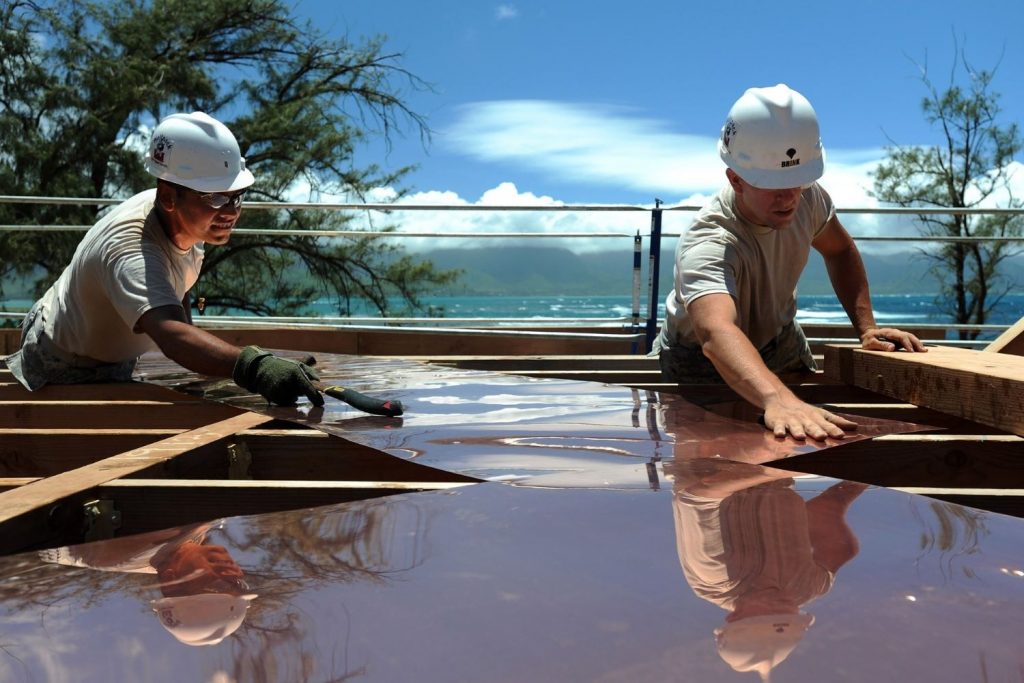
{"points": [[968, 168], [81, 81]]}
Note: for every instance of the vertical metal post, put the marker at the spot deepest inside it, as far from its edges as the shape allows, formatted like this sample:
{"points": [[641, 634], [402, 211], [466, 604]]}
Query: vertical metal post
{"points": [[637, 248], [654, 261]]}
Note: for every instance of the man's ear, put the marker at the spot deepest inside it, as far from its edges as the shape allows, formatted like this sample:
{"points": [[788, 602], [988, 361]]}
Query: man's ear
{"points": [[734, 180], [166, 196]]}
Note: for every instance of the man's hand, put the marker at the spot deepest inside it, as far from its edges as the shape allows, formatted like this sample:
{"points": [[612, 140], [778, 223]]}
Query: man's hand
{"points": [[889, 339], [279, 380], [802, 420]]}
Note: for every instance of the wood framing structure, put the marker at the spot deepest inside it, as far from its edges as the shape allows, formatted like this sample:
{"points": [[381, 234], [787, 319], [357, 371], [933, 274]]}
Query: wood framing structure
{"points": [[169, 459]]}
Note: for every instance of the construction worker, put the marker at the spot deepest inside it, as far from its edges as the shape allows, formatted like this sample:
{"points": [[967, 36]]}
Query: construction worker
{"points": [[126, 290], [731, 315]]}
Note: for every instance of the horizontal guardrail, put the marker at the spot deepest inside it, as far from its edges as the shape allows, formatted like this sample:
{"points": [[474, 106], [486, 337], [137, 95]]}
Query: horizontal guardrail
{"points": [[625, 323]]}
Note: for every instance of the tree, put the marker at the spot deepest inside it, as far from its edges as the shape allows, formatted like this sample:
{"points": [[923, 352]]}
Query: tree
{"points": [[970, 167], [82, 81]]}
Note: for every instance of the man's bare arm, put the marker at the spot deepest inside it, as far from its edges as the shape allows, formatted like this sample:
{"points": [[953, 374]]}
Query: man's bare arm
{"points": [[850, 282], [734, 356], [186, 344]]}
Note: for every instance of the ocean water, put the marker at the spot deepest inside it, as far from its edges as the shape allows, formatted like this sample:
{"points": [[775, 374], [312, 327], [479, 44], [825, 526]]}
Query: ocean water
{"points": [[906, 309], [889, 309]]}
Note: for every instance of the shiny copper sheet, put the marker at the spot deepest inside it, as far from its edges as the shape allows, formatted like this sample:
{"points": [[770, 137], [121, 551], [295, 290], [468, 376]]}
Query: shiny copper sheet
{"points": [[499, 583], [664, 554], [546, 432]]}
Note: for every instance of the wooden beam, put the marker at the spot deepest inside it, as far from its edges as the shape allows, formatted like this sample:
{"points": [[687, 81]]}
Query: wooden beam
{"points": [[10, 390], [112, 414], [8, 483], [52, 489], [45, 452], [982, 387], [1011, 341]]}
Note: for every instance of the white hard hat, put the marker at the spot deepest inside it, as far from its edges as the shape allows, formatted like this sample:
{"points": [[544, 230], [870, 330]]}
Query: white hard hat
{"points": [[202, 619], [760, 643], [199, 152], [771, 139]]}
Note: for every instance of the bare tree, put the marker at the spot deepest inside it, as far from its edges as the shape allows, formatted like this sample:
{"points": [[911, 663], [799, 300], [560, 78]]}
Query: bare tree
{"points": [[970, 167]]}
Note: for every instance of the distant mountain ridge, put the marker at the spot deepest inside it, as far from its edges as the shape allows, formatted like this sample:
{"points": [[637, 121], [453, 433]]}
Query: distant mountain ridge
{"points": [[530, 271]]}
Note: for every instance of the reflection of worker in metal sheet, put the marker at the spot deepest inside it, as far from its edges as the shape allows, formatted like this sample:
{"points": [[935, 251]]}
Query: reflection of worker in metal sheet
{"points": [[205, 597], [749, 543]]}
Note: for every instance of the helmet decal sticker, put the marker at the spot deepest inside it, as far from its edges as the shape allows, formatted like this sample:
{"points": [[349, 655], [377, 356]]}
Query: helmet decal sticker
{"points": [[727, 132], [161, 146]]}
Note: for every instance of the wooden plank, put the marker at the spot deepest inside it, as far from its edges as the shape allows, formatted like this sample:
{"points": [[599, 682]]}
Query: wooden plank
{"points": [[421, 341], [982, 387], [534, 362], [112, 414], [45, 452], [10, 390], [47, 491], [8, 483], [1011, 341]]}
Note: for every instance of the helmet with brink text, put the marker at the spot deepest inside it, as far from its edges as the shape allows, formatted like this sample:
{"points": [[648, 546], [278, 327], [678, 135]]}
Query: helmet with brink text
{"points": [[771, 139]]}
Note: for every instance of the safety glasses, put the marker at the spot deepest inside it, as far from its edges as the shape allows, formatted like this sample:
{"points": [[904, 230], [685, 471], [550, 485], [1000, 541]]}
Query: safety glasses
{"points": [[218, 200]]}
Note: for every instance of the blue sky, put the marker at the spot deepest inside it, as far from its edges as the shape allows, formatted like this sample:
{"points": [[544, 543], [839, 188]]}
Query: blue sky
{"points": [[604, 102]]}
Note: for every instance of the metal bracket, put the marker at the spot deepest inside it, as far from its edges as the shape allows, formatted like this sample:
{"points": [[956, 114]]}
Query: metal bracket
{"points": [[101, 519], [239, 461]]}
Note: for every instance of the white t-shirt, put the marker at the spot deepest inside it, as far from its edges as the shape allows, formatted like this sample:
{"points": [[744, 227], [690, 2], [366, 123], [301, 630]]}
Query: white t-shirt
{"points": [[124, 266], [722, 252]]}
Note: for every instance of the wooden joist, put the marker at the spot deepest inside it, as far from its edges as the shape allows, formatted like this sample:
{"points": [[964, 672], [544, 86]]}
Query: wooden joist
{"points": [[39, 494], [1011, 341], [982, 387]]}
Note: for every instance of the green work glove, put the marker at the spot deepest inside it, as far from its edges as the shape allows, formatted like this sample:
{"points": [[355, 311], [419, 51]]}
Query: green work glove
{"points": [[279, 380]]}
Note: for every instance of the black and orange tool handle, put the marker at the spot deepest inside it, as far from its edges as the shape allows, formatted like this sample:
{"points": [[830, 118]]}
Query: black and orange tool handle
{"points": [[367, 404]]}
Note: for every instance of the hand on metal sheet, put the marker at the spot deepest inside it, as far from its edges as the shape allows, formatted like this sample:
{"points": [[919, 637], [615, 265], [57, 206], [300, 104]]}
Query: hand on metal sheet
{"points": [[801, 420], [890, 339], [279, 380]]}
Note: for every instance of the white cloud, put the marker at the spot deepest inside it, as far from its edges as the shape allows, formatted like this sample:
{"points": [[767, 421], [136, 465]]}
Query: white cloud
{"points": [[506, 11], [595, 144], [605, 147]]}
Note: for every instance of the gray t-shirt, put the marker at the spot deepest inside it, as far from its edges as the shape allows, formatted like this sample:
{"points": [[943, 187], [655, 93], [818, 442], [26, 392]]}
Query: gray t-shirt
{"points": [[124, 266], [721, 252]]}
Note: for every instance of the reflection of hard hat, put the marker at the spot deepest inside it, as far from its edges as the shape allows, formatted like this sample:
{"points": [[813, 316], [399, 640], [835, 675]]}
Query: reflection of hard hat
{"points": [[202, 619], [197, 151], [771, 139], [761, 643]]}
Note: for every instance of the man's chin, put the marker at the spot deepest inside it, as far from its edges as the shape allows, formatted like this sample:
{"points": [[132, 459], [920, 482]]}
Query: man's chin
{"points": [[218, 236]]}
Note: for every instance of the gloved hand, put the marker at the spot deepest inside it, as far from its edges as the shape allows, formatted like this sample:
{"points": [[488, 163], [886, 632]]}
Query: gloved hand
{"points": [[279, 380]]}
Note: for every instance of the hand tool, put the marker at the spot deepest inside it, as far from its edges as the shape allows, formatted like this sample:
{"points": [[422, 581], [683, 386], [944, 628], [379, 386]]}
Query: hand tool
{"points": [[367, 404]]}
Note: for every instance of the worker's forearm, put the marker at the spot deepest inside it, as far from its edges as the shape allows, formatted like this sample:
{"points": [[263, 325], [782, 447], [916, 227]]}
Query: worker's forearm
{"points": [[742, 368], [197, 349], [850, 282]]}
